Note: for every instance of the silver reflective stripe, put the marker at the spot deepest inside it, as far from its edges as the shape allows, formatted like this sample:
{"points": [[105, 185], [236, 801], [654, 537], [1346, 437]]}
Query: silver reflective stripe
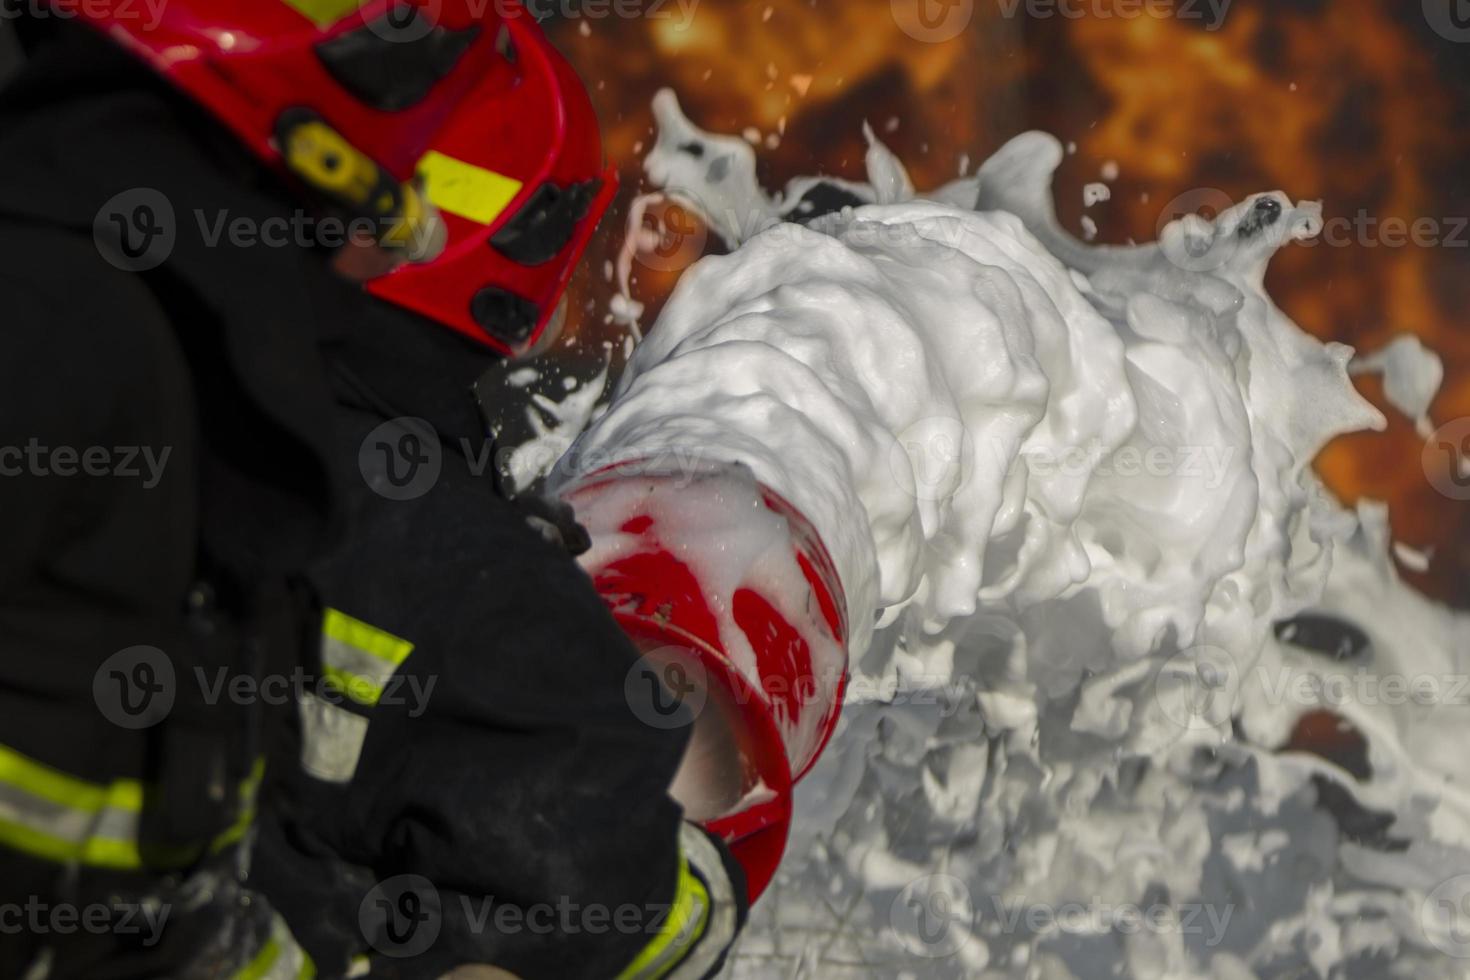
{"points": [[359, 658], [115, 824], [719, 933], [61, 821], [55, 816], [343, 656], [331, 739]]}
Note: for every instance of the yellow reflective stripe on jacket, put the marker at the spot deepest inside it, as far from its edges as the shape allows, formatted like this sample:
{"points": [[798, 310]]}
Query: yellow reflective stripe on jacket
{"points": [[249, 795], [358, 658], [281, 958], [682, 929], [58, 817], [49, 814]]}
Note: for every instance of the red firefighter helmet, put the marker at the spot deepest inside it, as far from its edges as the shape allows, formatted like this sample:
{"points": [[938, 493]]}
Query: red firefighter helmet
{"points": [[451, 124]]}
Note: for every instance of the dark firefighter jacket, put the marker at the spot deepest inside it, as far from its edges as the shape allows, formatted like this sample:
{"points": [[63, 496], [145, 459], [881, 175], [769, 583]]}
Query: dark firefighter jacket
{"points": [[163, 482], [492, 788], [518, 785]]}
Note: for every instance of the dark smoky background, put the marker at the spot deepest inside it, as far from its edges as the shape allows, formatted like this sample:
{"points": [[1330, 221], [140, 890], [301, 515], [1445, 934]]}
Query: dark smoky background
{"points": [[9, 50]]}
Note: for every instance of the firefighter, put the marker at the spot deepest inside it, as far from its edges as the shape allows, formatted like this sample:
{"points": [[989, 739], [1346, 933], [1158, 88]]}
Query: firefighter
{"points": [[474, 786], [164, 480], [463, 780], [477, 787]]}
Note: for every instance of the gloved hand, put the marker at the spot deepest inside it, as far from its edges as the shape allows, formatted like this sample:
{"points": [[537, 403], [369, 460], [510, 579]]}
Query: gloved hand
{"points": [[554, 521]]}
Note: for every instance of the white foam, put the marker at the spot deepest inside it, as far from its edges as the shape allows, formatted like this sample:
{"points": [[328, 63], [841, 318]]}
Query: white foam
{"points": [[1412, 374], [965, 404]]}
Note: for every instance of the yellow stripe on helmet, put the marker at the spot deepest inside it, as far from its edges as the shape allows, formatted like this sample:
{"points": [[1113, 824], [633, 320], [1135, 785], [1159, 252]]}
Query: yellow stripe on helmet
{"points": [[465, 189], [324, 13]]}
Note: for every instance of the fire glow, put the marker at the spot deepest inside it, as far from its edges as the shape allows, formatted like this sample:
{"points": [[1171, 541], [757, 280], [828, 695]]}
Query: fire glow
{"points": [[1349, 101]]}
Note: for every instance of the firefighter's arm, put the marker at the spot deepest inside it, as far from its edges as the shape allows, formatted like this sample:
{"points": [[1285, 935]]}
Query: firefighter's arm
{"points": [[707, 912], [537, 800], [81, 365]]}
